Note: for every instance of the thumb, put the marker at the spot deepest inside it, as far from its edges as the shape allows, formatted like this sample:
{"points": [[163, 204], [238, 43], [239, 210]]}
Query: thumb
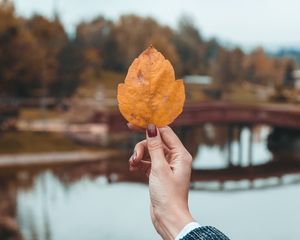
{"points": [[155, 147]]}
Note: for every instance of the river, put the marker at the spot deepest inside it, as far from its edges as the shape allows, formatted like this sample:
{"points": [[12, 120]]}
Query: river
{"points": [[94, 209]]}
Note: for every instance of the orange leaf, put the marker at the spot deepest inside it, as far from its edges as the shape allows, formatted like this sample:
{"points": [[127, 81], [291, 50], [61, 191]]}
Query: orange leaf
{"points": [[150, 93]]}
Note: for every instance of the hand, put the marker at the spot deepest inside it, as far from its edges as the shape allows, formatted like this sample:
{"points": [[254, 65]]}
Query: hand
{"points": [[163, 158]]}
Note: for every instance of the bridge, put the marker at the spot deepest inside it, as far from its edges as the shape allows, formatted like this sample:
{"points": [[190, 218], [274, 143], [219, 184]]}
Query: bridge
{"points": [[235, 116], [279, 115]]}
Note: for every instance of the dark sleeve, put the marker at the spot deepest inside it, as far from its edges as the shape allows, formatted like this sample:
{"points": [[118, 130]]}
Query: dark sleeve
{"points": [[205, 233]]}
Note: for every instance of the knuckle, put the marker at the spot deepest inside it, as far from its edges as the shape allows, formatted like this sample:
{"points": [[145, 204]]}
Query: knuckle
{"points": [[163, 130], [188, 158], [139, 145], [158, 169], [154, 145]]}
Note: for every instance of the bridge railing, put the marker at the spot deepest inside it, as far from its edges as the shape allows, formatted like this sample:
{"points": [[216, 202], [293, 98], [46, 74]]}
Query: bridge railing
{"points": [[226, 113], [219, 113]]}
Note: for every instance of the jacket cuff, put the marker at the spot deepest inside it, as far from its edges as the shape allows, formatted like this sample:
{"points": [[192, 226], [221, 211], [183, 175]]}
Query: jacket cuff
{"points": [[205, 233], [187, 228]]}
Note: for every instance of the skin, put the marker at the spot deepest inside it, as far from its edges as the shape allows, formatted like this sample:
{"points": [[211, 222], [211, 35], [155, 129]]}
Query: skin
{"points": [[167, 163]]}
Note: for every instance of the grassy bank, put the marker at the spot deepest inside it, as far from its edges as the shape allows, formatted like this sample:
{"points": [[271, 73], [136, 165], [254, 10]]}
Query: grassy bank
{"points": [[31, 142]]}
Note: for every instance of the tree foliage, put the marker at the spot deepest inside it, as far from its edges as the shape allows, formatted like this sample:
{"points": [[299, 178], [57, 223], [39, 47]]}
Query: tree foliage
{"points": [[38, 58]]}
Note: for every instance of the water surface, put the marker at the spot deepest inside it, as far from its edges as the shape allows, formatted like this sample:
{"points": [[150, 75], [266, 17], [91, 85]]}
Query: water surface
{"points": [[94, 209]]}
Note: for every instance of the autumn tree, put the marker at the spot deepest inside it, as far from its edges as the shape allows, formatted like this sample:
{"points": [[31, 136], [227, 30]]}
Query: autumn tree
{"points": [[228, 67], [133, 34], [68, 72], [38, 58], [29, 50], [190, 47], [20, 57], [289, 67], [51, 39], [91, 41], [259, 67]]}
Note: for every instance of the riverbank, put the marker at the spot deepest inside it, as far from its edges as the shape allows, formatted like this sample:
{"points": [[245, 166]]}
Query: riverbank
{"points": [[16, 161], [20, 142]]}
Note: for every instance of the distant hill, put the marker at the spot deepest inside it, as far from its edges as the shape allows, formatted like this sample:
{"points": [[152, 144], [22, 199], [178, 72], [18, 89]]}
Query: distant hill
{"points": [[293, 53]]}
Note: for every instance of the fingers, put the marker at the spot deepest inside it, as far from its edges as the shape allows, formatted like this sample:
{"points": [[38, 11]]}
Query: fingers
{"points": [[170, 138], [155, 149], [140, 152], [183, 162], [138, 160], [173, 143], [167, 134], [143, 166]]}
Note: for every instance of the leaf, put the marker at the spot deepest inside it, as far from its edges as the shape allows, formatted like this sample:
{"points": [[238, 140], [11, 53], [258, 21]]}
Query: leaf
{"points": [[150, 93]]}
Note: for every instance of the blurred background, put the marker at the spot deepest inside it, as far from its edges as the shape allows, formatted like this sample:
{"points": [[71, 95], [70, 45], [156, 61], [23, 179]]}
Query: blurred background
{"points": [[64, 146]]}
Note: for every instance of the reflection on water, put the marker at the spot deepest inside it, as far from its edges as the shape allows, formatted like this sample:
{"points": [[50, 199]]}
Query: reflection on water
{"points": [[68, 203], [214, 156], [95, 210], [85, 210]]}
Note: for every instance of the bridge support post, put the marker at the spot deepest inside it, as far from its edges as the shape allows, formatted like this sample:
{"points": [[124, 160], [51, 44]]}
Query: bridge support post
{"points": [[188, 136], [229, 145], [250, 152], [240, 160]]}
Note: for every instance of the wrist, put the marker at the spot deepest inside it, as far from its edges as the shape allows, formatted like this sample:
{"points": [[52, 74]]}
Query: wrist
{"points": [[173, 222]]}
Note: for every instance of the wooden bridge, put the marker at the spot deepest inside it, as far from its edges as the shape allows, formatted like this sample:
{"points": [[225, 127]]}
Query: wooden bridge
{"points": [[228, 113], [280, 115], [234, 116]]}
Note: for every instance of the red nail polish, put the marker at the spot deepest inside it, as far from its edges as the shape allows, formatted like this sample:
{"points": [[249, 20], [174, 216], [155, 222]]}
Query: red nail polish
{"points": [[133, 157], [151, 130]]}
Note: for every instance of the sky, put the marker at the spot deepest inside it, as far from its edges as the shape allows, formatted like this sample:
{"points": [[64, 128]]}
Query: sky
{"points": [[246, 23]]}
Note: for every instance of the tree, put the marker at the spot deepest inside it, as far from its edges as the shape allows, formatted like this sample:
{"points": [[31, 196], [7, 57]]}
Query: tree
{"points": [[289, 67], [91, 40], [134, 34], [190, 47], [51, 39], [259, 67], [37, 58], [68, 72], [19, 67], [227, 67], [29, 51]]}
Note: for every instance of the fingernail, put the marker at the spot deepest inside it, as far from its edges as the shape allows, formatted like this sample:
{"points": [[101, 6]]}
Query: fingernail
{"points": [[133, 157], [151, 130]]}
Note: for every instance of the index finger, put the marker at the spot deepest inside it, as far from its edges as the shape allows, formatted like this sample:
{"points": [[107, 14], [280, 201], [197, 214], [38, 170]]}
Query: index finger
{"points": [[168, 136]]}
